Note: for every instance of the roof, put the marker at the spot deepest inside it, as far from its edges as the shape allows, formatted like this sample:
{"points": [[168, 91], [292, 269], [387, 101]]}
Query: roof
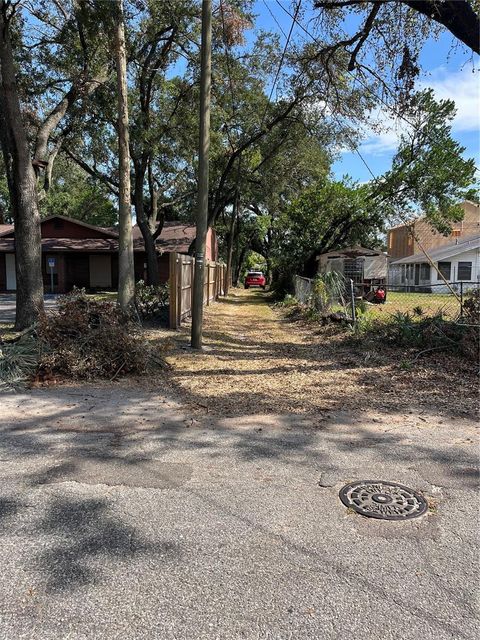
{"points": [[447, 251], [68, 244], [110, 231], [355, 251], [174, 237]]}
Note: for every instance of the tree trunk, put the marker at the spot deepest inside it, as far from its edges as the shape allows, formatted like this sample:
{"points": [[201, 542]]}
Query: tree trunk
{"points": [[153, 273], [126, 269], [268, 275], [231, 238], [21, 186], [239, 265]]}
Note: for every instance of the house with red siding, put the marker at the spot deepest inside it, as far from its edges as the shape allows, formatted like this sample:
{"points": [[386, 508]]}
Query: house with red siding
{"points": [[75, 253]]}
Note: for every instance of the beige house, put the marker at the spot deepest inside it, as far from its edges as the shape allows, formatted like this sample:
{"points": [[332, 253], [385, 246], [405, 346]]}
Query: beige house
{"points": [[400, 243], [362, 265]]}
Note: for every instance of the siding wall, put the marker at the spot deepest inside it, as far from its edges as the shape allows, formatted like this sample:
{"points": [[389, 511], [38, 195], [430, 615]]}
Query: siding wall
{"points": [[473, 256], [401, 245], [3, 273], [58, 228]]}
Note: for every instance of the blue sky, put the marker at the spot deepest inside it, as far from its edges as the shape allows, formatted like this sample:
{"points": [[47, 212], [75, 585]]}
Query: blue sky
{"points": [[447, 68]]}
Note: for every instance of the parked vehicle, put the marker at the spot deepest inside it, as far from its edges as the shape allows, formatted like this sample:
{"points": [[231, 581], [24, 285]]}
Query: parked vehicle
{"points": [[255, 279]]}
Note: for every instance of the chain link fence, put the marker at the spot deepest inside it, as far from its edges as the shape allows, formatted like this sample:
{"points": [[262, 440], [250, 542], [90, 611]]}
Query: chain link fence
{"points": [[330, 293], [436, 300], [303, 289]]}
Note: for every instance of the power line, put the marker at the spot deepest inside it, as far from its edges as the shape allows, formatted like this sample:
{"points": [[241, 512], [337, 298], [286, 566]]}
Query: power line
{"points": [[282, 58], [357, 78], [274, 18], [227, 58]]}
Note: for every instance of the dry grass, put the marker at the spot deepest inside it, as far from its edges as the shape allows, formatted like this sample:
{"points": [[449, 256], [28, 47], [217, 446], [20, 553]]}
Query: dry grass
{"points": [[257, 361]]}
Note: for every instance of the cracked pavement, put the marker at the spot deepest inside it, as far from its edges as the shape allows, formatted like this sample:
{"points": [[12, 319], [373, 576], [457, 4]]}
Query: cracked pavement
{"points": [[122, 516]]}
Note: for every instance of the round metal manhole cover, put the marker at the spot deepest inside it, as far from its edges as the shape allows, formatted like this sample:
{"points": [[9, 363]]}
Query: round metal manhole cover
{"points": [[383, 500]]}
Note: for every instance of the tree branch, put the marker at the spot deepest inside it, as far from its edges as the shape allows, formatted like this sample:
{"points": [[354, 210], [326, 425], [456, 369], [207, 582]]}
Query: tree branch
{"points": [[94, 172]]}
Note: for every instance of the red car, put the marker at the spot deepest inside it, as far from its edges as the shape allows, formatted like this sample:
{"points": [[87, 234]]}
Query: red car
{"points": [[255, 279]]}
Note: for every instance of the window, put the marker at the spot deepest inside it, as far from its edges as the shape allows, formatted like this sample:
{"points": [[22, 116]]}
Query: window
{"points": [[353, 269], [425, 271], [444, 268], [464, 270]]}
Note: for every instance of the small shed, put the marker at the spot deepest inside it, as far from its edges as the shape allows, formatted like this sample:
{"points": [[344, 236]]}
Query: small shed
{"points": [[363, 266]]}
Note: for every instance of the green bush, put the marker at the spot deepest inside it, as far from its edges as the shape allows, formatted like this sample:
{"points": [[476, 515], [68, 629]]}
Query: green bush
{"points": [[289, 301], [471, 306], [18, 361], [151, 301], [328, 289], [424, 332]]}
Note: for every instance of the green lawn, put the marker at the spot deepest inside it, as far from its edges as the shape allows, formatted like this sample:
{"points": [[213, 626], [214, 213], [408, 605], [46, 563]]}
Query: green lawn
{"points": [[110, 296], [429, 303]]}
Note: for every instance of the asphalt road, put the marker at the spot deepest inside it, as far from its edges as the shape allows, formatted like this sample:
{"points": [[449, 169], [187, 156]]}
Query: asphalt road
{"points": [[7, 306], [122, 516]]}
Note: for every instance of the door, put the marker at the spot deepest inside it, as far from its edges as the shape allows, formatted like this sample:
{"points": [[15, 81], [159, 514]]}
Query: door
{"points": [[11, 275], [100, 271]]}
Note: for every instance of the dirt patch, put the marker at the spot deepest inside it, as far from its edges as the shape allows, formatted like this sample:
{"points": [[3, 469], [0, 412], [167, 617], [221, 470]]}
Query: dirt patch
{"points": [[258, 361]]}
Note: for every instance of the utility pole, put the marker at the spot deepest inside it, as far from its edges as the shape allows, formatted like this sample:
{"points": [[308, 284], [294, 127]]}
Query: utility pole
{"points": [[126, 273], [202, 198]]}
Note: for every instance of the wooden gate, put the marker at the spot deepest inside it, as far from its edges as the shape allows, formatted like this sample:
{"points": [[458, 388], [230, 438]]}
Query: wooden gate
{"points": [[182, 270]]}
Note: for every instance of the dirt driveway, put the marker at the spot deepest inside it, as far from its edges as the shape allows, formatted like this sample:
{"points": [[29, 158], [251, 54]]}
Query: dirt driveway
{"points": [[204, 504], [257, 361]]}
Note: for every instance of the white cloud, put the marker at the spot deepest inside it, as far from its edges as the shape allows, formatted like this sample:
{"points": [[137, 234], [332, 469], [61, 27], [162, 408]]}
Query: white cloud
{"points": [[461, 86]]}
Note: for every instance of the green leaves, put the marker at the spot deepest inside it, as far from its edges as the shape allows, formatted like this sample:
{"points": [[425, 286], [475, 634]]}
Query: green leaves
{"points": [[429, 172], [326, 216]]}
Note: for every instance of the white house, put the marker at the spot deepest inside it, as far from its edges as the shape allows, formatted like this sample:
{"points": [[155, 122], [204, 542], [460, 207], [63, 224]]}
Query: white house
{"points": [[362, 265], [458, 262]]}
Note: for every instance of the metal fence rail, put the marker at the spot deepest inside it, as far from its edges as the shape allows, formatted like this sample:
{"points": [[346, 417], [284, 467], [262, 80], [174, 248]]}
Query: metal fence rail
{"points": [[416, 300], [436, 299]]}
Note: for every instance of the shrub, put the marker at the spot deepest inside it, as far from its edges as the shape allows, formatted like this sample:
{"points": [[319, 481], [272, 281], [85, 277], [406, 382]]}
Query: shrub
{"points": [[471, 306], [289, 301], [151, 301], [404, 330], [328, 289], [87, 339], [18, 361]]}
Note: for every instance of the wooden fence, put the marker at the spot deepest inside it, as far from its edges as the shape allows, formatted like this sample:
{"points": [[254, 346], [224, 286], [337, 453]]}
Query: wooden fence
{"points": [[182, 269]]}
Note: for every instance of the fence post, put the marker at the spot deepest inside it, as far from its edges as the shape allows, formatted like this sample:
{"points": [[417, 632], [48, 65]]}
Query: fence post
{"points": [[179, 285], [461, 298], [352, 295], [192, 275], [172, 291]]}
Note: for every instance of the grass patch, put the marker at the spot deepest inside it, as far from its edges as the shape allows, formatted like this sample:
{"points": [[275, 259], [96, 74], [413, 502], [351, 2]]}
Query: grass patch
{"points": [[103, 296], [428, 304]]}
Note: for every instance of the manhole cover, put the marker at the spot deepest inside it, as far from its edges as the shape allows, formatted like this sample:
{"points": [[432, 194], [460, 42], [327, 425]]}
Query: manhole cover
{"points": [[384, 500]]}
